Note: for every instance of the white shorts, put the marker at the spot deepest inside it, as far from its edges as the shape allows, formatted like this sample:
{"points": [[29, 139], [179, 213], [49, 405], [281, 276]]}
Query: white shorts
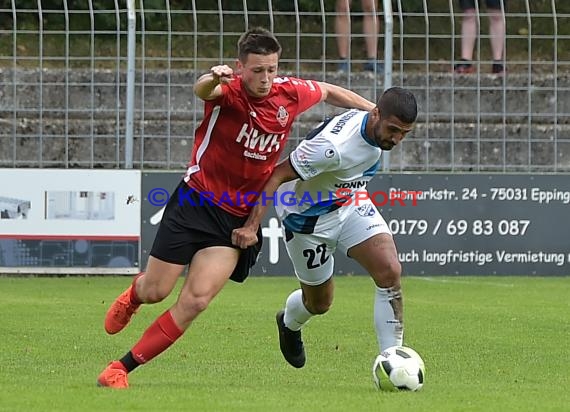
{"points": [[312, 255]]}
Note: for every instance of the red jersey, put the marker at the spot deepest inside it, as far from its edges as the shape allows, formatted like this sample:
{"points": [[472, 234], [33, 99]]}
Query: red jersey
{"points": [[241, 139]]}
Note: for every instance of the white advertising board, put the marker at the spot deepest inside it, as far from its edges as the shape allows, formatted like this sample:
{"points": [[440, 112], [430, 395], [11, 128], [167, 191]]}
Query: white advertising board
{"points": [[72, 218]]}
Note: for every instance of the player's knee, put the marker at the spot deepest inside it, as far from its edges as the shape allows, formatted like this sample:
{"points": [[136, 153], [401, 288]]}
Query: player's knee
{"points": [[193, 305], [393, 272], [388, 274], [153, 293]]}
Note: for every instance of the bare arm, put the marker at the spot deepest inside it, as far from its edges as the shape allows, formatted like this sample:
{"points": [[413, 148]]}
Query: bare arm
{"points": [[341, 97], [208, 85], [247, 234]]}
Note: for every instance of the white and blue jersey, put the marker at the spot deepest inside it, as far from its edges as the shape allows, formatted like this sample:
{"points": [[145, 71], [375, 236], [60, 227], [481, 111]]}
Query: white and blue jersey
{"points": [[333, 162]]}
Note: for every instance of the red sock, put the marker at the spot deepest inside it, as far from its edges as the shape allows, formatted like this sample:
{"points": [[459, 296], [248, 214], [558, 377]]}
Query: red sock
{"points": [[133, 295], [157, 338]]}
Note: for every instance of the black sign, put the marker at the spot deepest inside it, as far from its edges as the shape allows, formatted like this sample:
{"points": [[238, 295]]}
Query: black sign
{"points": [[442, 224], [480, 224]]}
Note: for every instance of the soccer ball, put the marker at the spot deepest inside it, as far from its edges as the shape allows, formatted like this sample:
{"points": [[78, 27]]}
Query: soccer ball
{"points": [[399, 368]]}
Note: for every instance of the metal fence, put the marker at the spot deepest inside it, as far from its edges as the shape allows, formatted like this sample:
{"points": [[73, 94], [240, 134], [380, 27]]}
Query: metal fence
{"points": [[83, 86]]}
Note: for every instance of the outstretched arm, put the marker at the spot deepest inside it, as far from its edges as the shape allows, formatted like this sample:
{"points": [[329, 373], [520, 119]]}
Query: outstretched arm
{"points": [[246, 235], [208, 87], [341, 97]]}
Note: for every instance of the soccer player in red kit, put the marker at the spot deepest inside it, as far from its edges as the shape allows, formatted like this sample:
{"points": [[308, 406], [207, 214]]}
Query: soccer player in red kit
{"points": [[247, 118]]}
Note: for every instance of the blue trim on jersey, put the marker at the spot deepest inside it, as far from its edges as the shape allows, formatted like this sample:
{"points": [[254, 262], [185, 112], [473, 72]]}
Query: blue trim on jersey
{"points": [[363, 132], [300, 224], [371, 171], [318, 129], [305, 221], [324, 207]]}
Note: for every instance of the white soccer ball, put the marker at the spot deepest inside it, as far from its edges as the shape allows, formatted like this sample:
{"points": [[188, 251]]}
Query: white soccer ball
{"points": [[399, 368]]}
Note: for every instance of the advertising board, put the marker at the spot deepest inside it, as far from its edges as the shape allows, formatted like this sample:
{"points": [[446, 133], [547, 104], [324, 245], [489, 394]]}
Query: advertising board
{"points": [[470, 224]]}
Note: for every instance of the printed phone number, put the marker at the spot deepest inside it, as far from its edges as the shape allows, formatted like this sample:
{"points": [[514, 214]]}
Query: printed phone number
{"points": [[420, 227]]}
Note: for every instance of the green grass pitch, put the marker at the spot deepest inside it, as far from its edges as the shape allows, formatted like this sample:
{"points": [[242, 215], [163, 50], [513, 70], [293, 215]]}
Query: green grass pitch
{"points": [[489, 344]]}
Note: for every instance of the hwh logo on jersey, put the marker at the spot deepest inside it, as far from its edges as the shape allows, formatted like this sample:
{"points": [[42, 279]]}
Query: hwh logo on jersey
{"points": [[259, 142]]}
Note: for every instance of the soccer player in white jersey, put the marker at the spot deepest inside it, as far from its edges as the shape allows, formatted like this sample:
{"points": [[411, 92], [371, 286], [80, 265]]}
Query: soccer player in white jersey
{"points": [[329, 170]]}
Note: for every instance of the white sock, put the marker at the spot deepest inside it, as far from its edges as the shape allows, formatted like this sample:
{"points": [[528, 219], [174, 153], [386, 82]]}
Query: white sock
{"points": [[296, 314], [388, 317]]}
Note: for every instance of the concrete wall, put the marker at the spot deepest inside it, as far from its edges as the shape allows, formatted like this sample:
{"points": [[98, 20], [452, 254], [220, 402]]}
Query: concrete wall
{"points": [[470, 123]]}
